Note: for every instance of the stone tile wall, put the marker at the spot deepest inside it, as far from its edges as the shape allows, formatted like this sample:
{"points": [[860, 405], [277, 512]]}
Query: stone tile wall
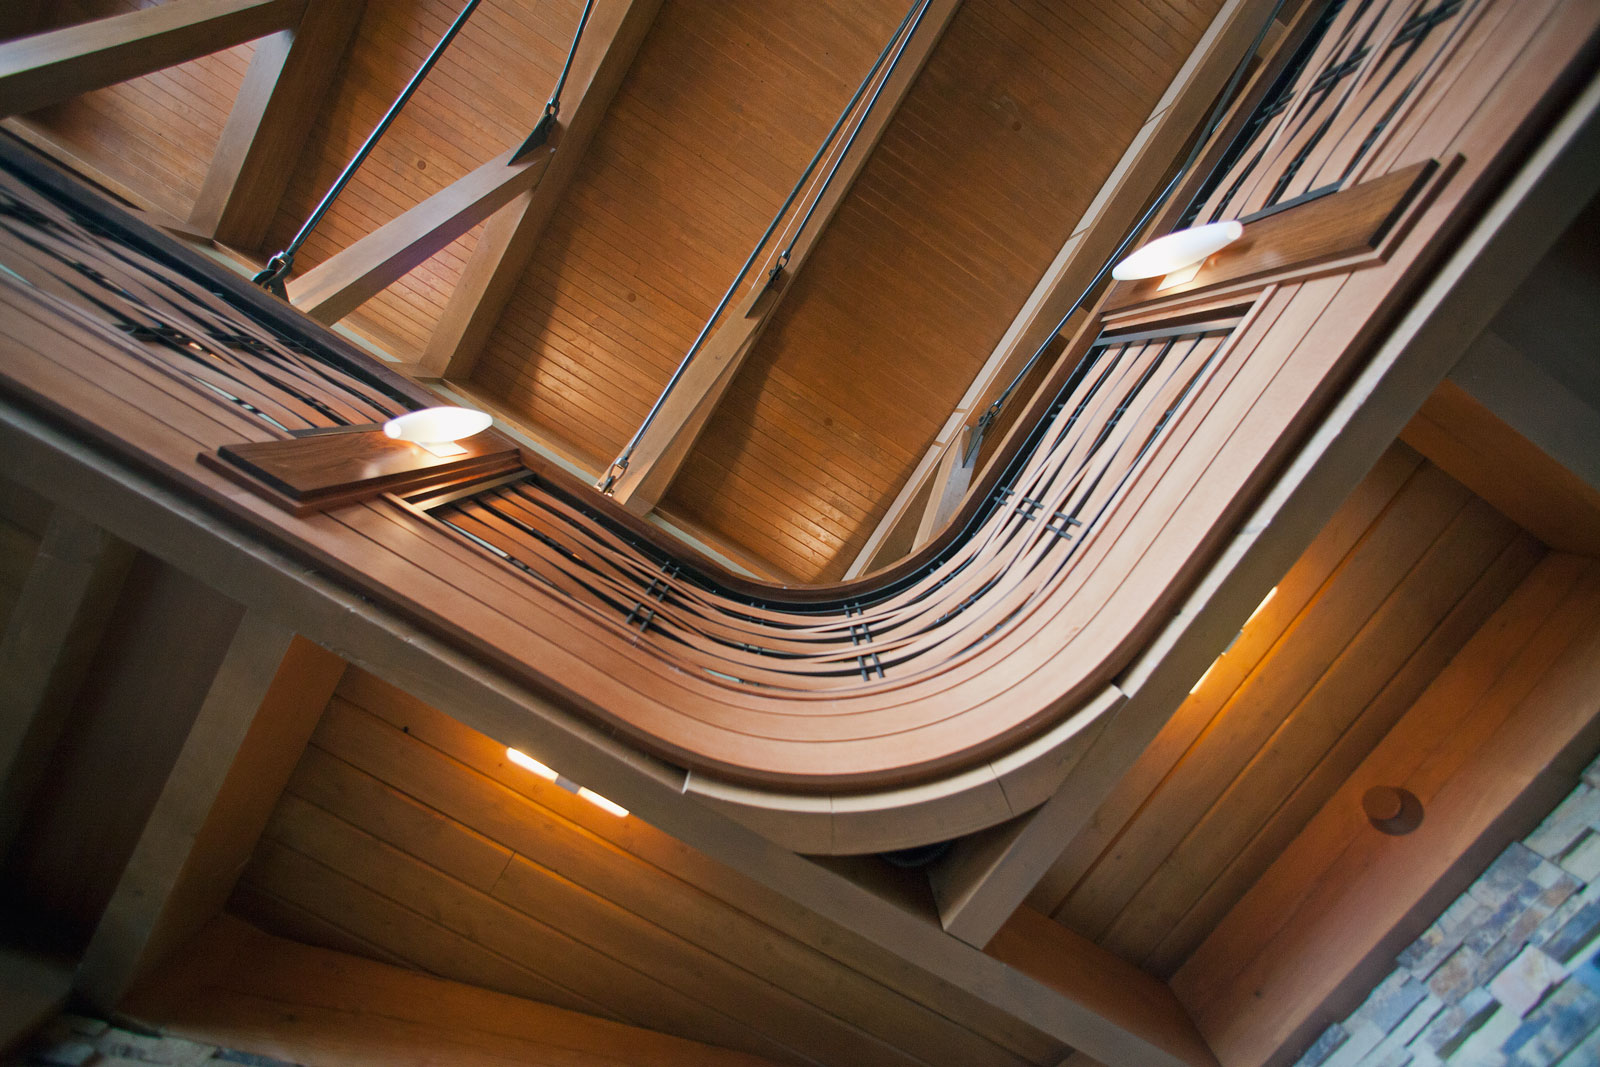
{"points": [[1508, 975], [76, 1041]]}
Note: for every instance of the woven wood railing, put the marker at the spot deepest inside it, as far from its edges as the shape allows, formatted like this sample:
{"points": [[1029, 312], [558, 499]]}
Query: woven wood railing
{"points": [[982, 667]]}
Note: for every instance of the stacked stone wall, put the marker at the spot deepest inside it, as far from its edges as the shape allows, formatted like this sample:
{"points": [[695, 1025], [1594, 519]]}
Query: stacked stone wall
{"points": [[1508, 975]]}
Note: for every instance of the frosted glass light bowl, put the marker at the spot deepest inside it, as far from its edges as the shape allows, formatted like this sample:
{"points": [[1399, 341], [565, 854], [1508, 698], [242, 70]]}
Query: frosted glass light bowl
{"points": [[432, 426], [1175, 251]]}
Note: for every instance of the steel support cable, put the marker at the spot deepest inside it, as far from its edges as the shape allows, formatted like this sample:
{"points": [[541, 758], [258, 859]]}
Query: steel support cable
{"points": [[277, 269], [1218, 110], [913, 17], [552, 106]]}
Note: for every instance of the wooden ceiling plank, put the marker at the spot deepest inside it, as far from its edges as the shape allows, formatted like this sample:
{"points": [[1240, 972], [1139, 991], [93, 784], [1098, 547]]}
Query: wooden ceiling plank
{"points": [[617, 29], [48, 68], [662, 449], [255, 721], [287, 83]]}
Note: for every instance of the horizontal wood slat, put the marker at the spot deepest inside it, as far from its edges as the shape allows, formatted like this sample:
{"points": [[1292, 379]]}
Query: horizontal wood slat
{"points": [[632, 924]]}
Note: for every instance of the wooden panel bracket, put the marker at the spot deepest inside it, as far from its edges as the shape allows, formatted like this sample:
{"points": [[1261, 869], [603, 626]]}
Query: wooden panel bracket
{"points": [[660, 452], [48, 68], [259, 713]]}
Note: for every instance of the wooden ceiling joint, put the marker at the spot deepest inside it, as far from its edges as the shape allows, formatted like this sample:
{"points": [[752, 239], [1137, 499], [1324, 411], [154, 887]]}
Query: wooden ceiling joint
{"points": [[351, 277], [48, 68], [288, 80]]}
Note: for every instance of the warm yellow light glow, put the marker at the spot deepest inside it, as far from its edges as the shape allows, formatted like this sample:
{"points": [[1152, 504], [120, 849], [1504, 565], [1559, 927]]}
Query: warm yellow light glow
{"points": [[1196, 687], [601, 802], [1264, 602], [433, 426], [1185, 248], [527, 762]]}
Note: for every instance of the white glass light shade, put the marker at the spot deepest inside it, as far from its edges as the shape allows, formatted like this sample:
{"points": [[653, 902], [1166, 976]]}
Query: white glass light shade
{"points": [[1185, 248], [432, 426]]}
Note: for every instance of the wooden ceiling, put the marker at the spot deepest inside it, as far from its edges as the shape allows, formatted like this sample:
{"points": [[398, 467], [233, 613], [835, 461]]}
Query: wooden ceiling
{"points": [[1021, 112]]}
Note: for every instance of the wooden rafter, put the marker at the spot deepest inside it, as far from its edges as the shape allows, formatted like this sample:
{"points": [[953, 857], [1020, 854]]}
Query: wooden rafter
{"points": [[258, 714], [288, 80], [45, 651], [507, 243], [50, 67], [660, 452], [345, 281]]}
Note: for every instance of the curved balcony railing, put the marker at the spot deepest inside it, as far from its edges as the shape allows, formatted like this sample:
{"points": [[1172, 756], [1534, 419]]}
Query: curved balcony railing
{"points": [[988, 660]]}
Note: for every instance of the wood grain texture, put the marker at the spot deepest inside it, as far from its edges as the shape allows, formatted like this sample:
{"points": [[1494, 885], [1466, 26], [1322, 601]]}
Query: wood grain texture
{"points": [[480, 100], [720, 112], [1488, 748], [157, 133], [1354, 631], [413, 814], [243, 989], [989, 164]]}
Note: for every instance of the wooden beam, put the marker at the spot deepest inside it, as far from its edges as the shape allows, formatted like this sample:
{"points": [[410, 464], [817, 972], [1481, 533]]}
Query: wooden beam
{"points": [[686, 410], [616, 30], [1113, 988], [349, 278], [50, 67], [262, 706], [57, 622], [285, 87], [1497, 740]]}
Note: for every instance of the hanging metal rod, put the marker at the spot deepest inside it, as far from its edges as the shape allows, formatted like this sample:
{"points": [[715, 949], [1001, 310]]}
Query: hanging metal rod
{"points": [[552, 106], [277, 269], [1213, 120], [902, 34]]}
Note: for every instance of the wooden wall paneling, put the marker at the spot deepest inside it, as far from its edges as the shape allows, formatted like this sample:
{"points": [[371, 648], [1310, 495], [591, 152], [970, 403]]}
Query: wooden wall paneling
{"points": [[246, 739], [502, 253], [657, 850], [1301, 803], [69, 589], [663, 447], [21, 18], [235, 983], [587, 976], [677, 185], [1294, 590], [1376, 653], [1318, 634], [560, 862], [964, 205], [50, 67], [287, 83], [145, 682], [1499, 736]]}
